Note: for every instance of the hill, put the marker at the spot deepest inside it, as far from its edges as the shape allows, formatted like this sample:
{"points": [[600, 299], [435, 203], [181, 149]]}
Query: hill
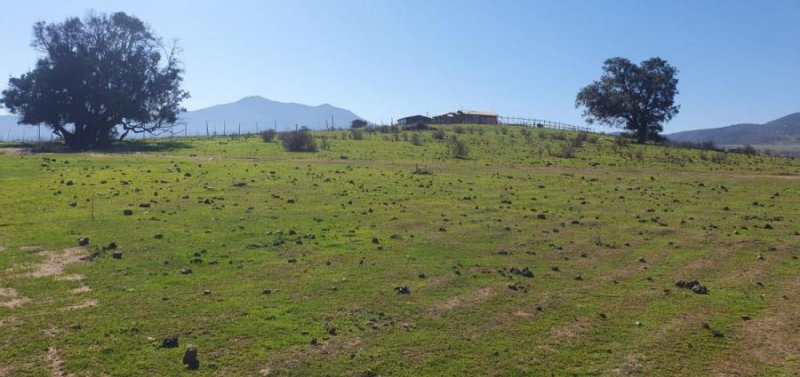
{"points": [[259, 112], [252, 113], [784, 130], [542, 252]]}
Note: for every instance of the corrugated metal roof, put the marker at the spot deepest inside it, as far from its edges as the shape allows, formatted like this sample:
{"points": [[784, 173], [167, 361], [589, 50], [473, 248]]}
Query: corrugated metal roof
{"points": [[480, 113]]}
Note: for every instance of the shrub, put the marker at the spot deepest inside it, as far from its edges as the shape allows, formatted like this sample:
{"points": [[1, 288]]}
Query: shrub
{"points": [[457, 148], [567, 151], [438, 134], [268, 135], [326, 145], [298, 141], [356, 134], [416, 139]]}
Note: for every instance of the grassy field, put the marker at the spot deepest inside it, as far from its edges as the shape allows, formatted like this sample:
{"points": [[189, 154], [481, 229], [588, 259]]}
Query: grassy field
{"points": [[275, 263]]}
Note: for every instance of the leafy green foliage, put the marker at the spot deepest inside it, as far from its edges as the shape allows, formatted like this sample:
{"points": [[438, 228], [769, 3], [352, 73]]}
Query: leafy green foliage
{"points": [[98, 74], [637, 98], [268, 135], [298, 141]]}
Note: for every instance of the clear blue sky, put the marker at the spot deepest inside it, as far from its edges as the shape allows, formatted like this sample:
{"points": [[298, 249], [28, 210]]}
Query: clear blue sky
{"points": [[739, 61]]}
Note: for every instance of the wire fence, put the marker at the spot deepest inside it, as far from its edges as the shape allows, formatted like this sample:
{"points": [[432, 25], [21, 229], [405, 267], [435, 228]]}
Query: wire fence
{"points": [[541, 123]]}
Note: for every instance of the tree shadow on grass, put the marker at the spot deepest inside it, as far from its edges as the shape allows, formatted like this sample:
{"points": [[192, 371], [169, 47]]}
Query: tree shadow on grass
{"points": [[128, 146]]}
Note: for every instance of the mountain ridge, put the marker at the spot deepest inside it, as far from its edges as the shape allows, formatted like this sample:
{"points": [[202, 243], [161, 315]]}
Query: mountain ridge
{"points": [[250, 113], [782, 130]]}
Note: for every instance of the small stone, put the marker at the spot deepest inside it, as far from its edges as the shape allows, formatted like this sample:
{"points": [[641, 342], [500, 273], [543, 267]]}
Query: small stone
{"points": [[746, 317], [127, 212], [186, 271], [116, 255], [207, 292], [314, 341], [83, 241]]}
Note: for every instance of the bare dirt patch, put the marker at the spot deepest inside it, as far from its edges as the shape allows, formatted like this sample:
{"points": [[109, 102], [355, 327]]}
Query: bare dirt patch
{"points": [[296, 357], [769, 339], [86, 304], [54, 265], [81, 289], [632, 366], [55, 363], [14, 151], [468, 299], [10, 298], [571, 330]]}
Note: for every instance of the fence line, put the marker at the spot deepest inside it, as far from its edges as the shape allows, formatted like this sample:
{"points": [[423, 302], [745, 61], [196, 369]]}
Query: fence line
{"points": [[541, 123]]}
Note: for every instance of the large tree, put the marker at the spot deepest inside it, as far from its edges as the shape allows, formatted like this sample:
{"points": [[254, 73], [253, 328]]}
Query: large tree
{"points": [[99, 78], [637, 98]]}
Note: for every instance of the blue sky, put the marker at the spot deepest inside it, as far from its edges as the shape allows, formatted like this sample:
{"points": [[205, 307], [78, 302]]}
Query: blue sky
{"points": [[739, 61]]}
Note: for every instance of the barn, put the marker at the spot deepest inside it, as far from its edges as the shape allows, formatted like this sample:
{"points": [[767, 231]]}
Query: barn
{"points": [[467, 116], [414, 119]]}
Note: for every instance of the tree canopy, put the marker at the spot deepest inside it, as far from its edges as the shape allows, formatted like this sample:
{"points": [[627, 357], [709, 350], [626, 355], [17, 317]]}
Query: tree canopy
{"points": [[637, 98], [98, 76]]}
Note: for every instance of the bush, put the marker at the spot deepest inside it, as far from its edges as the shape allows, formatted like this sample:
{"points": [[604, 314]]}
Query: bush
{"points": [[438, 134], [566, 151], [298, 141], [356, 134], [268, 135], [457, 148], [416, 139]]}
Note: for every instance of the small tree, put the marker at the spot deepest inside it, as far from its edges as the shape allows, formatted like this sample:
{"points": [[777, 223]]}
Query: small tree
{"points": [[95, 75], [268, 135], [298, 141], [637, 98], [358, 123]]}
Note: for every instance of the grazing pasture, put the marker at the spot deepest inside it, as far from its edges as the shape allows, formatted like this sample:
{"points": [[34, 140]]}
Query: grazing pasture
{"points": [[528, 252]]}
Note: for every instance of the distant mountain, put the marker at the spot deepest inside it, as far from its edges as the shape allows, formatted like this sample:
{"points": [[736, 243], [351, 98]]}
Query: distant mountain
{"points": [[252, 113], [779, 131]]}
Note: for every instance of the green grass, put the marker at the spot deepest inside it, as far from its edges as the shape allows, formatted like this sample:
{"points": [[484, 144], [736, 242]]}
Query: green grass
{"points": [[237, 210]]}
